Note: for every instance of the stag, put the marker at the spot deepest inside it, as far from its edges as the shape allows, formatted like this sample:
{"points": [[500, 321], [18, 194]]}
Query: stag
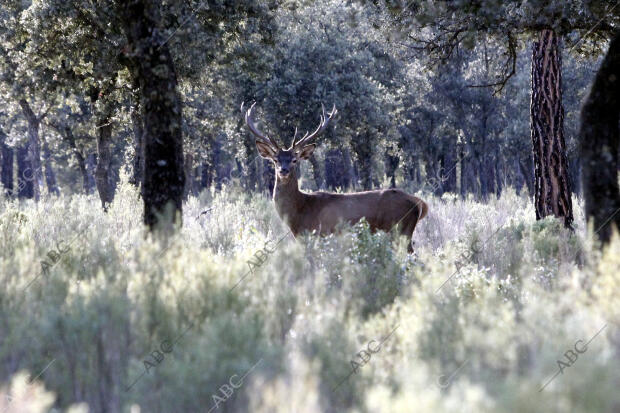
{"points": [[383, 209]]}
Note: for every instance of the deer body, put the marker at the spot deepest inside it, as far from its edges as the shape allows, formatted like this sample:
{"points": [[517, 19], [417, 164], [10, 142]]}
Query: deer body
{"points": [[322, 211]]}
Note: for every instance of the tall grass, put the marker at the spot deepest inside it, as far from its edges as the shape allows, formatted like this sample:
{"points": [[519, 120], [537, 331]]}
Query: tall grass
{"points": [[480, 314]]}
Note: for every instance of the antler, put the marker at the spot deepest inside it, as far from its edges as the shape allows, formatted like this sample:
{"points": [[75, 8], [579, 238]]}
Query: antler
{"points": [[261, 136], [322, 125], [294, 137]]}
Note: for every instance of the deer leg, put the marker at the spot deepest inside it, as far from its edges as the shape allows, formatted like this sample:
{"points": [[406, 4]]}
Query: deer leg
{"points": [[407, 230]]}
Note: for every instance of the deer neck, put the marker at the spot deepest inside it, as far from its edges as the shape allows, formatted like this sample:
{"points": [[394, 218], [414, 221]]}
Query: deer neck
{"points": [[288, 198]]}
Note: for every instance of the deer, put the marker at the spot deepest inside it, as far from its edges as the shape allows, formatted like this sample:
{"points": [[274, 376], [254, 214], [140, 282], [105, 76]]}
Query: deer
{"points": [[383, 209]]}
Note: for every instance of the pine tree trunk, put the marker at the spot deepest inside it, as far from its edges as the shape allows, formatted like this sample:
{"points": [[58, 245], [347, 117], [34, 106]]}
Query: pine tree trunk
{"points": [[600, 144], [552, 192], [34, 149], [164, 180], [6, 172]]}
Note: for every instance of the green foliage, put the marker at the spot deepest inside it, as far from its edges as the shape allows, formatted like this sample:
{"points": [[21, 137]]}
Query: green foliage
{"points": [[398, 122], [480, 314], [380, 278], [487, 340], [551, 239]]}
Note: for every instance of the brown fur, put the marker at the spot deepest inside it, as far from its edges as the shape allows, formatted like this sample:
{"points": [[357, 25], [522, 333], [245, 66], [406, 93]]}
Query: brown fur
{"points": [[322, 211]]}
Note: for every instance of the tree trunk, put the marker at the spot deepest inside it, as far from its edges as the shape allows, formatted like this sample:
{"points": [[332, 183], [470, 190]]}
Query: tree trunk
{"points": [[316, 171], [206, 175], [251, 169], [91, 166], [497, 173], [50, 176], [164, 179], [338, 169], [6, 172], [68, 135], [448, 166], [482, 157], [332, 168], [24, 174], [410, 170], [481, 169], [216, 166], [363, 151], [468, 177], [349, 175], [104, 160], [461, 168], [490, 170], [189, 177], [268, 176], [391, 165], [551, 185], [365, 175], [472, 182], [600, 144], [138, 159], [34, 148]]}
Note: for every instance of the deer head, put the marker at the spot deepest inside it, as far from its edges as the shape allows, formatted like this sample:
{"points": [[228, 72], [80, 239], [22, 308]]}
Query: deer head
{"points": [[285, 160]]}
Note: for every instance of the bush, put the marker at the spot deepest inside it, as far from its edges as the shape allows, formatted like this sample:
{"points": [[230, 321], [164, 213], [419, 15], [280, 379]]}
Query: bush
{"points": [[479, 316]]}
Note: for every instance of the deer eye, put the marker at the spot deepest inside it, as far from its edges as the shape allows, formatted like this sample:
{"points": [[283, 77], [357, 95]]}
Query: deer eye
{"points": [[294, 160]]}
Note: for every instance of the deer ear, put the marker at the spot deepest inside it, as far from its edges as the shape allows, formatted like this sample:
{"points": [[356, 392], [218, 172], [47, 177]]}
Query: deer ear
{"points": [[265, 150], [306, 151]]}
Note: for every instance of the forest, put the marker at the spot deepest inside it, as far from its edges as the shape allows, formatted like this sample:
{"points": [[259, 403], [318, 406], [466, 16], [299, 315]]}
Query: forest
{"points": [[309, 206]]}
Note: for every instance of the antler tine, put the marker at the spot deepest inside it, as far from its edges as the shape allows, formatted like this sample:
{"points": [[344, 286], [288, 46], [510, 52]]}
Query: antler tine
{"points": [[324, 121], [294, 137], [248, 120]]}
